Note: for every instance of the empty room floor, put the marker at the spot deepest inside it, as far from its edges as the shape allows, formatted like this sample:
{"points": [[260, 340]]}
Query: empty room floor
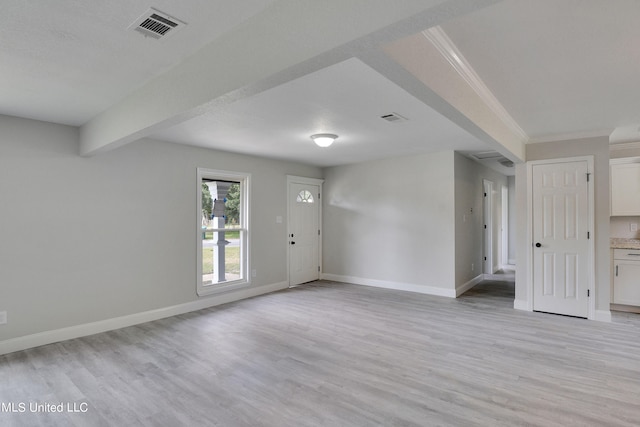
{"points": [[339, 355]]}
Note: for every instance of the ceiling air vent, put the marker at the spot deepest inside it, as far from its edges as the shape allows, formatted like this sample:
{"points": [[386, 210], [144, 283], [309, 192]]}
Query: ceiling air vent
{"points": [[486, 155], [156, 24], [506, 162], [394, 118]]}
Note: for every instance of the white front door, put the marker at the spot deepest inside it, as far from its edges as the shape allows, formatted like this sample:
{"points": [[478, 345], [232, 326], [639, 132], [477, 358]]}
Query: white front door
{"points": [[304, 233], [561, 249]]}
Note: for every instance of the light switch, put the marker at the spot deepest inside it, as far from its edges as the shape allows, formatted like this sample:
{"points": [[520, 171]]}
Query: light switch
{"points": [[633, 226], [278, 219]]}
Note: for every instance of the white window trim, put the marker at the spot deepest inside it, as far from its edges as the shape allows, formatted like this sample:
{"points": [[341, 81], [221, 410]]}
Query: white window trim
{"points": [[245, 187]]}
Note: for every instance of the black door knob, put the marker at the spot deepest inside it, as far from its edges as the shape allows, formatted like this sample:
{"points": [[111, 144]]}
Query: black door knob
{"points": [[538, 245], [293, 243]]}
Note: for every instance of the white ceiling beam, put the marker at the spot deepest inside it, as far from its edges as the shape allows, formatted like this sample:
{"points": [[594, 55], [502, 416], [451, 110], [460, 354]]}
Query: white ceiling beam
{"points": [[457, 92], [396, 73], [287, 40]]}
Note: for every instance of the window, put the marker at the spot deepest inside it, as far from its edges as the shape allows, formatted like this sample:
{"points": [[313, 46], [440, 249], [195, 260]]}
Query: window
{"points": [[304, 196], [222, 230]]}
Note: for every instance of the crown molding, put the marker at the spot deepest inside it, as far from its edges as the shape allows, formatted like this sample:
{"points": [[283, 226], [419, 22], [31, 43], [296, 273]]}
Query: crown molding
{"points": [[450, 52], [555, 137]]}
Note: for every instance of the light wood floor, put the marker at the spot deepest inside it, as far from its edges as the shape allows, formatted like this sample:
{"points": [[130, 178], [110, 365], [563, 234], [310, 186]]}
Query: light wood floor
{"points": [[329, 354]]}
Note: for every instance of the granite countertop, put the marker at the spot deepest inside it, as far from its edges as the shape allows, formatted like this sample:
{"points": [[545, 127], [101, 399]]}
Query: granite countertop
{"points": [[622, 243]]}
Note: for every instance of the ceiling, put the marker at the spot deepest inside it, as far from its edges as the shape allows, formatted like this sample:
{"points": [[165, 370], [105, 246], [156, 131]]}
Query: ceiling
{"points": [[260, 76], [559, 67], [347, 99], [66, 61]]}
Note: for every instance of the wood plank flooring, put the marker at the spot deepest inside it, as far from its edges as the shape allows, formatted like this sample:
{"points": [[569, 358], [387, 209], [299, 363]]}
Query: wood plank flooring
{"points": [[330, 354]]}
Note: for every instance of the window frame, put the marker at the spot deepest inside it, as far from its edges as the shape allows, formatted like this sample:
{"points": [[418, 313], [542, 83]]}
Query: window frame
{"points": [[245, 188]]}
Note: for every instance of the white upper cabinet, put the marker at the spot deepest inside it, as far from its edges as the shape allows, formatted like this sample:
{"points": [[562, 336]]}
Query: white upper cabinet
{"points": [[625, 187]]}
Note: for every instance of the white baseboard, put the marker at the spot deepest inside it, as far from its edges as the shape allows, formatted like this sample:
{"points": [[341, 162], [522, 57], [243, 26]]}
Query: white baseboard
{"points": [[49, 337], [470, 284], [410, 287], [602, 316], [521, 305], [512, 262]]}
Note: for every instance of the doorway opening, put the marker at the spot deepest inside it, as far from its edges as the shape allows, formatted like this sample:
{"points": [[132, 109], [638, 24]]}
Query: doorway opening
{"points": [[504, 258], [487, 218]]}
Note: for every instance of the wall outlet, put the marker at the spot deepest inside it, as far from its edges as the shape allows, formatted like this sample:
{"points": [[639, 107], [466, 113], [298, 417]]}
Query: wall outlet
{"points": [[472, 266], [633, 226], [253, 273], [3, 317]]}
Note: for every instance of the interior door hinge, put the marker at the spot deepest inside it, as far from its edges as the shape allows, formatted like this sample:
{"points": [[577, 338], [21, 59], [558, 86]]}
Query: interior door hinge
{"points": [[588, 235], [485, 194], [318, 232], [318, 268], [588, 175], [588, 292]]}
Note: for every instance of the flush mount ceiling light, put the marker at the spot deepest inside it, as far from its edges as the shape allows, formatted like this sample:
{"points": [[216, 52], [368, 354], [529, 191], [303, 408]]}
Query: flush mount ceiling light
{"points": [[324, 139]]}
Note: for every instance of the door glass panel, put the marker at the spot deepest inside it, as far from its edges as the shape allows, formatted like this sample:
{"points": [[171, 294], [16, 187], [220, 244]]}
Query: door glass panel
{"points": [[304, 196]]}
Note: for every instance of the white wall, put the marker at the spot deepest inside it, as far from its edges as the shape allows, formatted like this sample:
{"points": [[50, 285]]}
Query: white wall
{"points": [[469, 190], [511, 182], [599, 148], [88, 239], [620, 226], [391, 222], [523, 245]]}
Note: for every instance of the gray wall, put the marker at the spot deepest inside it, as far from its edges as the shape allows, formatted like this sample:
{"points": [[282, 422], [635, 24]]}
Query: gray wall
{"points": [[469, 190], [87, 239], [599, 148], [392, 220], [627, 152]]}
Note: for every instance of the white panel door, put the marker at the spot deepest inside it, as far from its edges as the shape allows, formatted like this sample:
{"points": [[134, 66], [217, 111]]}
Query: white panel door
{"points": [[304, 237], [561, 246]]}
